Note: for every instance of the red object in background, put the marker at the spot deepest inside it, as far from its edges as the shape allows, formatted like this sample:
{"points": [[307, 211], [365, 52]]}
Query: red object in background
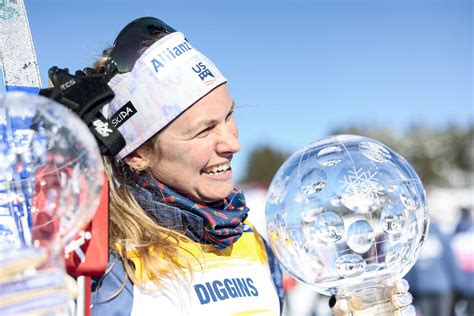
{"points": [[88, 252], [96, 249], [288, 283], [93, 250]]}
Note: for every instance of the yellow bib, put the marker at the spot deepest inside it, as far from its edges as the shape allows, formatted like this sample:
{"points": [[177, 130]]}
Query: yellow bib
{"points": [[234, 281]]}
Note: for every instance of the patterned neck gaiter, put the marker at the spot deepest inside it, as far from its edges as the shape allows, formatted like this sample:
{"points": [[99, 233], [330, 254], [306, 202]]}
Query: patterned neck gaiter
{"points": [[219, 223]]}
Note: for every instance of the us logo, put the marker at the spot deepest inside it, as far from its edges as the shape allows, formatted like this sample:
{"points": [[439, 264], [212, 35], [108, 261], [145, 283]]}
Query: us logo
{"points": [[204, 73], [7, 10]]}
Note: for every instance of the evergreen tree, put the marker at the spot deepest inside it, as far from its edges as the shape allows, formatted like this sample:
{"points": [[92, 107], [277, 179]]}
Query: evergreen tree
{"points": [[263, 163], [440, 156]]}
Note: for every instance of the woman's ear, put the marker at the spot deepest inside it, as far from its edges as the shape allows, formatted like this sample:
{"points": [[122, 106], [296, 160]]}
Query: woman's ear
{"points": [[137, 160]]}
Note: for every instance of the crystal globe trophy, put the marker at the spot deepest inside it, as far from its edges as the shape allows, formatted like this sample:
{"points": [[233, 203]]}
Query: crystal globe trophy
{"points": [[51, 174], [347, 215]]}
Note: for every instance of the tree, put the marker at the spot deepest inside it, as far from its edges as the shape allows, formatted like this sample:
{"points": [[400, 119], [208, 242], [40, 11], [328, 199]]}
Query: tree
{"points": [[441, 156], [263, 163]]}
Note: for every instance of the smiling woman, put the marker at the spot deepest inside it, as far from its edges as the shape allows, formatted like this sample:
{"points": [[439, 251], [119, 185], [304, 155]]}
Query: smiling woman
{"points": [[180, 242], [193, 154]]}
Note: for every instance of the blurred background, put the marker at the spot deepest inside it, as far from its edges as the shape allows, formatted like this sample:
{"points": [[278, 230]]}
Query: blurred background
{"points": [[397, 71]]}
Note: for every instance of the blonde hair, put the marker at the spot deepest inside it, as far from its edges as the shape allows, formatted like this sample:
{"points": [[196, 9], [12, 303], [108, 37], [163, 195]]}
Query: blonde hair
{"points": [[130, 228]]}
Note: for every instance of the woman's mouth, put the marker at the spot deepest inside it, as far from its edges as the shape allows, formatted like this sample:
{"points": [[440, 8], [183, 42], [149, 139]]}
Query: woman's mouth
{"points": [[217, 168], [219, 172]]}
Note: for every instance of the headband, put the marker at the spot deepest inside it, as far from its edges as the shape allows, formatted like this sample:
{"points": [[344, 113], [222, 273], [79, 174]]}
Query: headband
{"points": [[166, 80]]}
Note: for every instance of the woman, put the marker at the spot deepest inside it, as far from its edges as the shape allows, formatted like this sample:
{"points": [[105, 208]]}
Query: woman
{"points": [[179, 240]]}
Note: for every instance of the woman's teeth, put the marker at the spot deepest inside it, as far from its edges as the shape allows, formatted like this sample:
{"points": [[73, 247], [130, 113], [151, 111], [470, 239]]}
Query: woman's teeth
{"points": [[218, 169]]}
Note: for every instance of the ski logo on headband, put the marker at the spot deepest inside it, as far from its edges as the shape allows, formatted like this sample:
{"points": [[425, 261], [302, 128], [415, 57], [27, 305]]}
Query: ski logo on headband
{"points": [[123, 114], [169, 54], [102, 128], [203, 73]]}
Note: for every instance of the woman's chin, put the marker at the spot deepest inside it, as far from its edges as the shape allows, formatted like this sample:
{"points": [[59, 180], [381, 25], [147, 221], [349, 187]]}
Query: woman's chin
{"points": [[217, 193]]}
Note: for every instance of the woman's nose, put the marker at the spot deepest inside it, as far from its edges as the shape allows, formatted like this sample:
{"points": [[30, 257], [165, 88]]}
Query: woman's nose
{"points": [[229, 142]]}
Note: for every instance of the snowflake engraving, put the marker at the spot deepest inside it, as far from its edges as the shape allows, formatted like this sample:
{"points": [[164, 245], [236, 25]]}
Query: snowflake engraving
{"points": [[361, 183]]}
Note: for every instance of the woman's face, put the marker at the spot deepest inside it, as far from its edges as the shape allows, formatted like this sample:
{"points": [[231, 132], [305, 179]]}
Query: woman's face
{"points": [[194, 152]]}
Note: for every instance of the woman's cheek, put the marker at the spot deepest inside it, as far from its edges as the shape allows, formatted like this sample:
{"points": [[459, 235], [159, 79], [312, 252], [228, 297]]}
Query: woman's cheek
{"points": [[181, 155]]}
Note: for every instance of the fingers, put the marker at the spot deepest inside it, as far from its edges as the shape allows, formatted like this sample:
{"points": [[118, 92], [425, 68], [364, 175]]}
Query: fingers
{"points": [[402, 300], [397, 287], [394, 297], [55, 74], [21, 260], [79, 73], [27, 290], [402, 286], [406, 311], [71, 286], [56, 303], [400, 295], [39, 282], [45, 289], [340, 307], [90, 71]]}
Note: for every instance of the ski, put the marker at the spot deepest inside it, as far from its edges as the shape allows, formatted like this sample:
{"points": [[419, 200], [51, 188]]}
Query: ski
{"points": [[18, 58]]}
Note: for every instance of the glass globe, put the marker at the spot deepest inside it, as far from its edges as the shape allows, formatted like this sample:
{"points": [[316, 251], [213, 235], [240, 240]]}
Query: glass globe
{"points": [[51, 173], [345, 212]]}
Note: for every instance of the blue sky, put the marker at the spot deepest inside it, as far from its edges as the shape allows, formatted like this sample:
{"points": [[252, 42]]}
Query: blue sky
{"points": [[296, 69]]}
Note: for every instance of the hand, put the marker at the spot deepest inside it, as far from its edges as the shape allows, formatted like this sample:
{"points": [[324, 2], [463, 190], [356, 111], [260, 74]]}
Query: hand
{"points": [[27, 289], [85, 93], [397, 302]]}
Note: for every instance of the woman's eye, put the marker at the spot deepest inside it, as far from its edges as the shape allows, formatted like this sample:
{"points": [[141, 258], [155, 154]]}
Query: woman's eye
{"points": [[204, 132]]}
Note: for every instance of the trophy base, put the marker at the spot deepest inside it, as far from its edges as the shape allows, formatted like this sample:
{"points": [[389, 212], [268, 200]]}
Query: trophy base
{"points": [[372, 301]]}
